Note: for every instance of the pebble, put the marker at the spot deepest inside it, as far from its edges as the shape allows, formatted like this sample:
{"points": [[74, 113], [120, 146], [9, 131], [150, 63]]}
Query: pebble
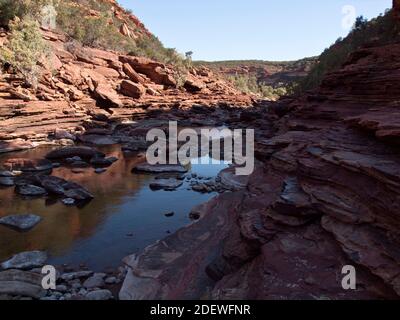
{"points": [[76, 286], [96, 281], [99, 295], [111, 280], [61, 288], [76, 275], [68, 201], [170, 214]]}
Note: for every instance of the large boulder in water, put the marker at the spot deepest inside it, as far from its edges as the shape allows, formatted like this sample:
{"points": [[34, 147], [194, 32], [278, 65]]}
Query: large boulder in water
{"points": [[30, 190], [22, 222], [65, 188], [69, 152], [161, 168]]}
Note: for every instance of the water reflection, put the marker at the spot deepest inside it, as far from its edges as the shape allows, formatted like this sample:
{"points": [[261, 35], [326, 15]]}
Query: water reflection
{"points": [[124, 217]]}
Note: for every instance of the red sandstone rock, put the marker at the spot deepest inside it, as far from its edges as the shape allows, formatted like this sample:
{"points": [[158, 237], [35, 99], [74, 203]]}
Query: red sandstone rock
{"points": [[326, 196], [132, 74], [83, 91], [132, 89], [194, 86], [157, 72]]}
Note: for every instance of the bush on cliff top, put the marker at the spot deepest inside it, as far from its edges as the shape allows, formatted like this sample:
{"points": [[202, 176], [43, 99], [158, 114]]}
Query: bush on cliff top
{"points": [[379, 31], [10, 9], [102, 31], [90, 31], [249, 84]]}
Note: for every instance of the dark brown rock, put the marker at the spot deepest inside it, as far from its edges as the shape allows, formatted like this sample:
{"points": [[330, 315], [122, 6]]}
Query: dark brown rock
{"points": [[69, 152]]}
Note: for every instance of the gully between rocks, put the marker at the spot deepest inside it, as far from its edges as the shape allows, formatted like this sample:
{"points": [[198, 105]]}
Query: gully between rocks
{"points": [[124, 217]]}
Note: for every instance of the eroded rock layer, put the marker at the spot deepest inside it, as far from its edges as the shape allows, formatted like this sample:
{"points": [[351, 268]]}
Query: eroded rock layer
{"points": [[85, 88], [325, 195]]}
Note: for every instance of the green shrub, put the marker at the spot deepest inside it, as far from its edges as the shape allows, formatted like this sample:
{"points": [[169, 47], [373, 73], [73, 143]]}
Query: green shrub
{"points": [[73, 18], [250, 85], [98, 32], [381, 30], [25, 48], [9, 9]]}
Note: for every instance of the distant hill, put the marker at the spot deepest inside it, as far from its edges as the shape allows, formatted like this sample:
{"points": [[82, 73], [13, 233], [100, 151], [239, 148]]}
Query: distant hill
{"points": [[270, 79]]}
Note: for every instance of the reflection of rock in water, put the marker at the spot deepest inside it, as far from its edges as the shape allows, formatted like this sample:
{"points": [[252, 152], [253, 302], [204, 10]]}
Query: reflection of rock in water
{"points": [[62, 225], [96, 234]]}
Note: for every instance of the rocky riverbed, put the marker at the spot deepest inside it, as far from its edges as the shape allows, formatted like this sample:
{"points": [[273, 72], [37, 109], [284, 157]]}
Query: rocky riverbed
{"points": [[325, 192], [21, 279], [62, 202]]}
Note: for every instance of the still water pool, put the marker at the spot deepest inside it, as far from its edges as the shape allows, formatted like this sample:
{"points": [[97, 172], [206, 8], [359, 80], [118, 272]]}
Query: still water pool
{"points": [[125, 216]]}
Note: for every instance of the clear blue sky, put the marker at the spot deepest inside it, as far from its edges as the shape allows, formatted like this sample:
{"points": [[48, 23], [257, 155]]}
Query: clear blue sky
{"points": [[249, 29]]}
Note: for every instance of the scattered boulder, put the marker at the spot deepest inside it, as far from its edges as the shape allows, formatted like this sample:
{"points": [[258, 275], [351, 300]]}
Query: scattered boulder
{"points": [[23, 222], [6, 174], [95, 281], [76, 275], [135, 146], [60, 134], [98, 140], [103, 162], [65, 188], [131, 89], [6, 181], [156, 71], [99, 295], [30, 190], [124, 30], [194, 86], [132, 74], [169, 214], [79, 164], [106, 93], [165, 184], [25, 260], [162, 168], [69, 152]]}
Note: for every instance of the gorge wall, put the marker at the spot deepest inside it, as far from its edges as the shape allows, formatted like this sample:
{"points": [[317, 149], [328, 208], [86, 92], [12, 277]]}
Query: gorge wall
{"points": [[325, 194], [83, 87]]}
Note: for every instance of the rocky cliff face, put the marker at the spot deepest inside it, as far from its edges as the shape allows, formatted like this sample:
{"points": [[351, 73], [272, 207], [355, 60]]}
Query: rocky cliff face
{"points": [[83, 88], [325, 194]]}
